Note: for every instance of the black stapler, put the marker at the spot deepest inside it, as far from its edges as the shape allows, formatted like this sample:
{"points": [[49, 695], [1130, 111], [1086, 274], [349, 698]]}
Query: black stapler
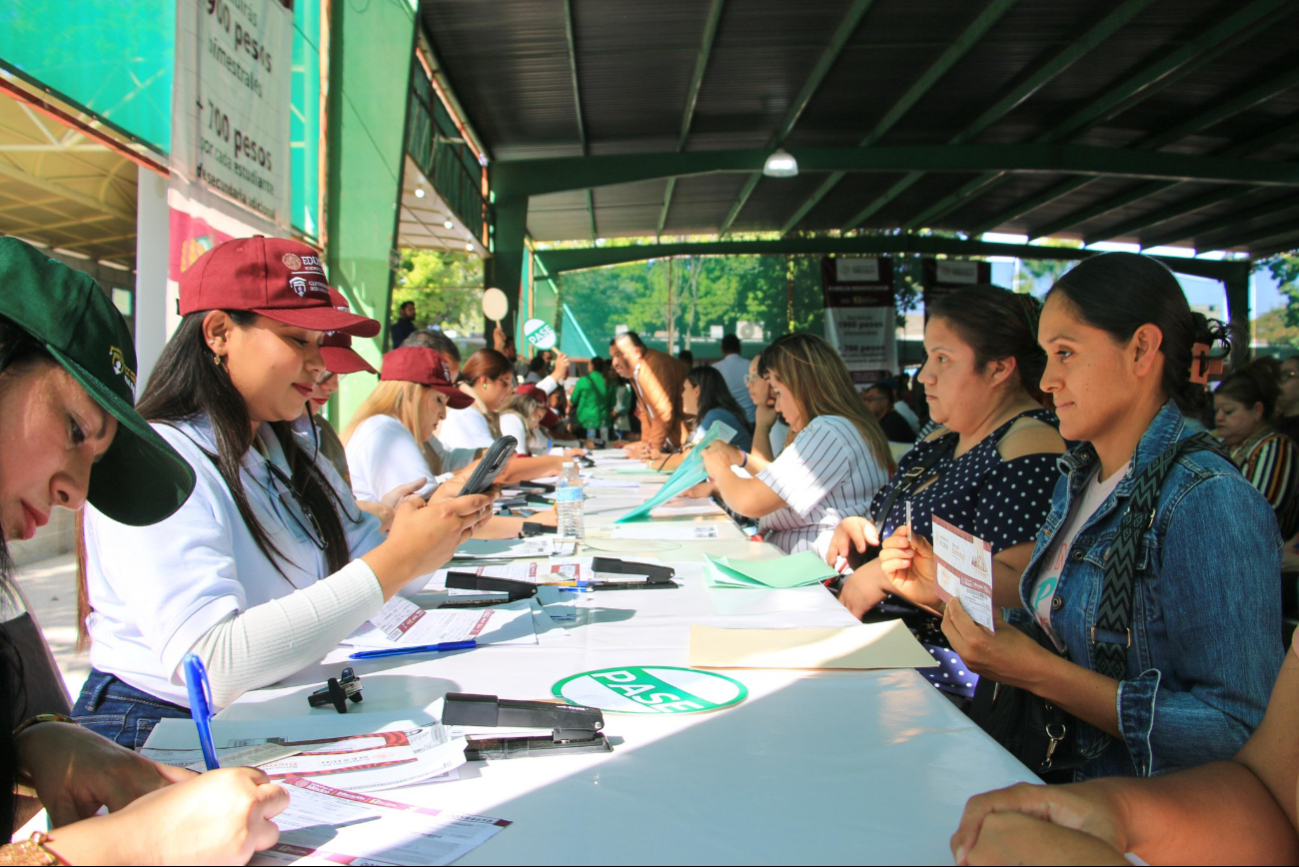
{"points": [[654, 573], [574, 729], [486, 584]]}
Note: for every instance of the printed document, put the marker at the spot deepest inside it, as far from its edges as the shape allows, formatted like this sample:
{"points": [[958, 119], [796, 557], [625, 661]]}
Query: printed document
{"points": [[963, 563]]}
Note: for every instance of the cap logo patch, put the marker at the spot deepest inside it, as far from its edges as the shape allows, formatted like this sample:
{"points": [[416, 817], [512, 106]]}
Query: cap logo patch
{"points": [[118, 361], [291, 261], [317, 287], [298, 285]]}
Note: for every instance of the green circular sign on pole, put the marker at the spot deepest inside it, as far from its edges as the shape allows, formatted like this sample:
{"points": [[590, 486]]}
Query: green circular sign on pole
{"points": [[651, 689], [539, 334]]}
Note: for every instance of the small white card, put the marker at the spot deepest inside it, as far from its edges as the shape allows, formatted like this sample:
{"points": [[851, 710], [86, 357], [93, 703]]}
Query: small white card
{"points": [[963, 564]]}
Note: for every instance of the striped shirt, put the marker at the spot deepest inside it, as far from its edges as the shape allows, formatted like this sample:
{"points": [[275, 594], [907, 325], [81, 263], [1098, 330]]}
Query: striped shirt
{"points": [[825, 474], [1270, 461]]}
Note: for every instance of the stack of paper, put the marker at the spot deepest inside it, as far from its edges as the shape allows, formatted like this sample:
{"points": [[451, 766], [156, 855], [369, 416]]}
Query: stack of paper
{"points": [[868, 645], [402, 623], [796, 570]]}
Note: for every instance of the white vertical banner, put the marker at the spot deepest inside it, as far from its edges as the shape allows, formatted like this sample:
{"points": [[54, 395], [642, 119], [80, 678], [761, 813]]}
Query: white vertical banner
{"points": [[231, 98], [861, 315]]}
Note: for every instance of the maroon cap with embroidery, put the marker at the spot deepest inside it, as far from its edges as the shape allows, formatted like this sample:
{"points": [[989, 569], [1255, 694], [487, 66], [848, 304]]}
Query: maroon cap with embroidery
{"points": [[336, 349], [427, 367], [551, 418], [274, 277]]}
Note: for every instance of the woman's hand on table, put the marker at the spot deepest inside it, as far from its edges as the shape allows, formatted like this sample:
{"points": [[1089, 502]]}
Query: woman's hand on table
{"points": [[75, 771], [1008, 656], [548, 518], [852, 534], [701, 490], [907, 563], [636, 451], [983, 836]]}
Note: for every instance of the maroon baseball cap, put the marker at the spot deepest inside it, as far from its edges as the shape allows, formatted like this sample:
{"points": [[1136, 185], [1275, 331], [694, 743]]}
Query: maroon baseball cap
{"points": [[427, 367], [551, 418], [336, 349], [274, 277]]}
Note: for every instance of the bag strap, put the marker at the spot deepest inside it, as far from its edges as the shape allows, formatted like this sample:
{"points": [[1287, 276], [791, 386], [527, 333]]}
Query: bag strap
{"points": [[912, 478], [1112, 633]]}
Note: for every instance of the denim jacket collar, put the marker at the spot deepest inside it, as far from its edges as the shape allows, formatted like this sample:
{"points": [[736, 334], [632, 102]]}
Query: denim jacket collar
{"points": [[1167, 427]]}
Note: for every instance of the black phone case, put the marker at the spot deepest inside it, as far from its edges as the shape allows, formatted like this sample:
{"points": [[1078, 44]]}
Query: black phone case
{"points": [[490, 466]]}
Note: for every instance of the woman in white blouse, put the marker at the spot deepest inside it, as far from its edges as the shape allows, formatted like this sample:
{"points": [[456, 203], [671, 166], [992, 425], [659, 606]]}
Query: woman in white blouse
{"points": [[835, 459], [269, 563]]}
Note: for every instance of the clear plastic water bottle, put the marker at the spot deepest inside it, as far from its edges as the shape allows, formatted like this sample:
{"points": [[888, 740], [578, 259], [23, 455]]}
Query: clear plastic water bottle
{"points": [[568, 502]]}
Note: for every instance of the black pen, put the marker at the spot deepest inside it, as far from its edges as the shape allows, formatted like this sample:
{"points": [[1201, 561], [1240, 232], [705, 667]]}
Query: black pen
{"points": [[633, 585]]}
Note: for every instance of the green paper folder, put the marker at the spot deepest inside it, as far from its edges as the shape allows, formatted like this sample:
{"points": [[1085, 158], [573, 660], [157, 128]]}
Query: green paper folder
{"points": [[796, 570], [690, 473]]}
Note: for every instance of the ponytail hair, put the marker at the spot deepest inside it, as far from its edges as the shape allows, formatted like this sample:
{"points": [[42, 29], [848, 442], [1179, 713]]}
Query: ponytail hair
{"points": [[997, 324], [1120, 292], [1254, 383]]}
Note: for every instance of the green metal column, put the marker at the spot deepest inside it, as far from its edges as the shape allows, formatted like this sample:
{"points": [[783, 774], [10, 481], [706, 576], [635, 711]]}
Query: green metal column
{"points": [[1238, 313], [505, 269]]}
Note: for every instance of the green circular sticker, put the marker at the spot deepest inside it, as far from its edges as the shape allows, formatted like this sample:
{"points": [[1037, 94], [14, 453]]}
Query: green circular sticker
{"points": [[539, 334], [651, 689]]}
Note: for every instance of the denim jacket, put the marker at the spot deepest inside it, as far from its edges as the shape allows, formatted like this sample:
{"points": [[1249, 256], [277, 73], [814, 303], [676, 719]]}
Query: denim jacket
{"points": [[1206, 612]]}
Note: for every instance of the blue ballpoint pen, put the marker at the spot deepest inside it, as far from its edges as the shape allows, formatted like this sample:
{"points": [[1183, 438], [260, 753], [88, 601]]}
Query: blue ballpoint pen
{"points": [[423, 648], [200, 706]]}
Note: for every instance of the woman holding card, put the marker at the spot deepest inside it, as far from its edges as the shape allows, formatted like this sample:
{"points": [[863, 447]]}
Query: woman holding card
{"points": [[269, 563], [989, 468], [835, 460], [1152, 587]]}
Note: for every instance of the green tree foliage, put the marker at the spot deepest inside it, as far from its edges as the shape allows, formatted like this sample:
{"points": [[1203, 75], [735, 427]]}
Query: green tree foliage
{"points": [[1273, 327], [446, 289], [1285, 270]]}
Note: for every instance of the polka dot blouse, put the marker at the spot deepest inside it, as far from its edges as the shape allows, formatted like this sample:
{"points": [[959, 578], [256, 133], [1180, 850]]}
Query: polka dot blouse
{"points": [[1002, 502]]}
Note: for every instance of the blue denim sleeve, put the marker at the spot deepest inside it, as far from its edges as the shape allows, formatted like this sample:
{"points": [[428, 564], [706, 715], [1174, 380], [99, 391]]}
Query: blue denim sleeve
{"points": [[1219, 589]]}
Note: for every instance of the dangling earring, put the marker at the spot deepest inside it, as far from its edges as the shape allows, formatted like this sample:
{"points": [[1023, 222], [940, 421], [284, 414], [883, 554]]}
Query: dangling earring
{"points": [[216, 359]]}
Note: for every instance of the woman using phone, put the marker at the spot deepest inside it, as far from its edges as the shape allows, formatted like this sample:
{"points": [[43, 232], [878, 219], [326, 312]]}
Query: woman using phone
{"points": [[269, 563], [68, 435]]}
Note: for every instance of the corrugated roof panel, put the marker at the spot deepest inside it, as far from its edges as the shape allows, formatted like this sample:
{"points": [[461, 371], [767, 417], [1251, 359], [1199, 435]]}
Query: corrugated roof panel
{"points": [[700, 203]]}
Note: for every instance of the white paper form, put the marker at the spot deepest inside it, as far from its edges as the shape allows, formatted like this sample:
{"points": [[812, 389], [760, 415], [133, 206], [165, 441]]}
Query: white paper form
{"points": [[687, 506], [665, 532], [612, 485], [963, 564], [504, 549], [402, 623], [324, 825], [555, 569], [364, 755]]}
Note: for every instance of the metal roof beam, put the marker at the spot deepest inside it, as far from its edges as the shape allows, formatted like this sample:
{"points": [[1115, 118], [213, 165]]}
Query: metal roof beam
{"points": [[559, 261], [1282, 133], [1203, 120], [940, 67], [1232, 30], [521, 178], [1058, 63], [692, 98], [829, 56], [1227, 221], [1243, 238]]}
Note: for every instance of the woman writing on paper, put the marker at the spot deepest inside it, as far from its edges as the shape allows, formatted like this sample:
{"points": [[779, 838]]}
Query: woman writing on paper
{"points": [[269, 563], [1136, 640], [834, 462], [70, 435]]}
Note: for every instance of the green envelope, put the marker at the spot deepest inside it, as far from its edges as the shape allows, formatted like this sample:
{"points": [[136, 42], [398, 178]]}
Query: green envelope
{"points": [[796, 570], [690, 473]]}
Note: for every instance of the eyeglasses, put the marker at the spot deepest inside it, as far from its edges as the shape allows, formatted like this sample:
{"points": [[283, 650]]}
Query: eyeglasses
{"points": [[1289, 374], [752, 379], [326, 375]]}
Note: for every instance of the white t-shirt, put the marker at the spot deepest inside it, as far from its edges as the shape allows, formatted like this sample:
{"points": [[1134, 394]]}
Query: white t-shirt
{"points": [[465, 429], [453, 460], [1044, 587], [382, 455], [513, 426], [158, 589], [733, 369], [825, 474]]}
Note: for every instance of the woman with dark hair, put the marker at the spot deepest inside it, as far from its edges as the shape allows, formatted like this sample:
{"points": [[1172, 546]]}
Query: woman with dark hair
{"points": [[67, 374], [1242, 405], [269, 563], [706, 396], [836, 459], [989, 467], [1150, 602]]}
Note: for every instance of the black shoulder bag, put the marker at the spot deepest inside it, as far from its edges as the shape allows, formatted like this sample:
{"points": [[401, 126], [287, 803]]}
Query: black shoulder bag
{"points": [[1035, 731]]}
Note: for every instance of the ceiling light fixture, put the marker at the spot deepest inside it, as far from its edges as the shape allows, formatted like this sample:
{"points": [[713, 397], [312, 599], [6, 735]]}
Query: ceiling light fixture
{"points": [[781, 164], [449, 224], [419, 192]]}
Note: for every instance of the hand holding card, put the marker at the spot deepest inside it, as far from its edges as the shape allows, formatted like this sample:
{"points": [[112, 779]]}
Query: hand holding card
{"points": [[964, 571]]}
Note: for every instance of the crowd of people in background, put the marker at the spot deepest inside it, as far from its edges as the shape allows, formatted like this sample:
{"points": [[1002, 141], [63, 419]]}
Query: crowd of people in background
{"points": [[1139, 511]]}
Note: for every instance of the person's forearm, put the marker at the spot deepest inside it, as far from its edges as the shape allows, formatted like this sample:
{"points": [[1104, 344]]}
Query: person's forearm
{"points": [[762, 442], [500, 527], [1090, 696], [98, 840], [1005, 585], [750, 497], [523, 469], [270, 641], [757, 462], [1219, 813]]}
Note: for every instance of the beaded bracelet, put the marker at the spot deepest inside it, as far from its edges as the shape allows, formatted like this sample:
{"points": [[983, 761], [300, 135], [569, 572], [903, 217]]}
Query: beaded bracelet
{"points": [[30, 851]]}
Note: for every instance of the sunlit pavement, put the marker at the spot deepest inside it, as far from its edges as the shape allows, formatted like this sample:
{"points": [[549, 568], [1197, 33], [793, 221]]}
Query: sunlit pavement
{"points": [[51, 590]]}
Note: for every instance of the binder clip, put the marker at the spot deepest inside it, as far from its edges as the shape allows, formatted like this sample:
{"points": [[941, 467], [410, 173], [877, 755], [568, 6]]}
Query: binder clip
{"points": [[338, 691], [574, 728]]}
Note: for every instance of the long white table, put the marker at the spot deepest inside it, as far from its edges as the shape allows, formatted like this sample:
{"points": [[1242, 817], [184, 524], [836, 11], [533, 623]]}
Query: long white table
{"points": [[814, 767]]}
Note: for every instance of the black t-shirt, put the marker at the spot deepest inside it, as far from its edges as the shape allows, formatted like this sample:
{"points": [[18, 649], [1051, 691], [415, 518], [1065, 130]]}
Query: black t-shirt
{"points": [[896, 428]]}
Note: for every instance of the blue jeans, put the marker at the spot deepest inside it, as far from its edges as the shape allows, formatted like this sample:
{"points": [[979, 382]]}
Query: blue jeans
{"points": [[120, 712]]}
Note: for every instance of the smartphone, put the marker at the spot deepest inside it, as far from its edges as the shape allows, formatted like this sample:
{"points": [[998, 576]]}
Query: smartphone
{"points": [[490, 466]]}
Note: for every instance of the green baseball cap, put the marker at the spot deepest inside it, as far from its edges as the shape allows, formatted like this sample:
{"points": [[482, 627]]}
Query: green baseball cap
{"points": [[140, 479]]}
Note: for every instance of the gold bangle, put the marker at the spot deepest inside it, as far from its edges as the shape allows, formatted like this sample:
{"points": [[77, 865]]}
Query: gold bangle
{"points": [[32, 851], [42, 718]]}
